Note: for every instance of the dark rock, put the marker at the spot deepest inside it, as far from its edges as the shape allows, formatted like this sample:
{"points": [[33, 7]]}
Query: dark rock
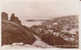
{"points": [[53, 40], [15, 19], [15, 33]]}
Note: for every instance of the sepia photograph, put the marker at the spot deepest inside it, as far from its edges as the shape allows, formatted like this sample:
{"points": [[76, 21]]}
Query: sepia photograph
{"points": [[40, 23]]}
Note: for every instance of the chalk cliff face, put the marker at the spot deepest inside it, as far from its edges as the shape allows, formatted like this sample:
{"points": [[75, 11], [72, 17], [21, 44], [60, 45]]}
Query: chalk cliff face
{"points": [[13, 32]]}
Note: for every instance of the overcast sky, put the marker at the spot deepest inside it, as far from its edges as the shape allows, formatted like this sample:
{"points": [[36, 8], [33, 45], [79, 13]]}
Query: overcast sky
{"points": [[40, 8]]}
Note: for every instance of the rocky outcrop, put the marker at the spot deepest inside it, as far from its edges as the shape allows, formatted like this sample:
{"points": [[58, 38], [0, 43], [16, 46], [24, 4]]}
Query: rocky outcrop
{"points": [[14, 32], [15, 19], [4, 15]]}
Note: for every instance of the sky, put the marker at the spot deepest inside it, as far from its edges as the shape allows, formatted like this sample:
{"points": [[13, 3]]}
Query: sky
{"points": [[36, 9]]}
